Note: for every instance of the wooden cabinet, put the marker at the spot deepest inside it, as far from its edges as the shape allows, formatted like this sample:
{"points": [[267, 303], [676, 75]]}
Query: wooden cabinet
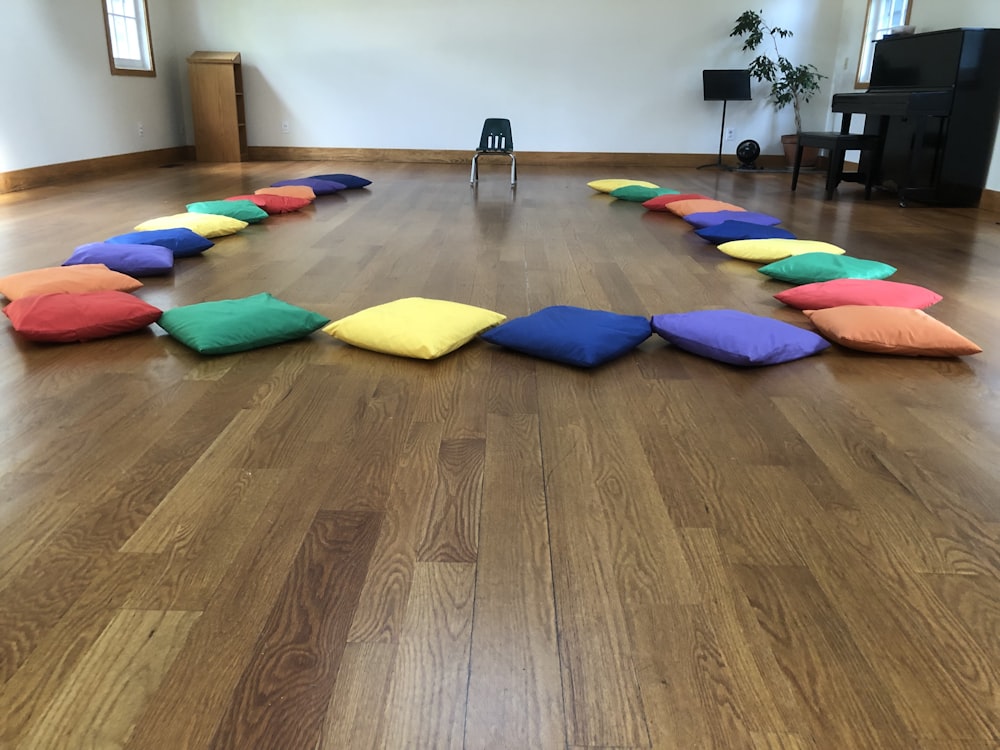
{"points": [[216, 80]]}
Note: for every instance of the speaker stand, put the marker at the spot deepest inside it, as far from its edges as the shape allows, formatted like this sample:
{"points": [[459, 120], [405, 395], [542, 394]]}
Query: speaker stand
{"points": [[717, 164]]}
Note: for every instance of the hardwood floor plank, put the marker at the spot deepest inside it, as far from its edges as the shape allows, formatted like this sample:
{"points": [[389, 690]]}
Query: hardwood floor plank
{"points": [[47, 669], [113, 681], [283, 693], [515, 695], [382, 602], [663, 551], [362, 686], [427, 694]]}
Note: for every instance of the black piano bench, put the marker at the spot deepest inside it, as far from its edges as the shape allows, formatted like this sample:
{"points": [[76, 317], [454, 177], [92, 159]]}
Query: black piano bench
{"points": [[837, 144]]}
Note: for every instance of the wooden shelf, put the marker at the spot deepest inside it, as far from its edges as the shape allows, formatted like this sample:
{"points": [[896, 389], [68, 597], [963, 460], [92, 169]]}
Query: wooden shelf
{"points": [[216, 80]]}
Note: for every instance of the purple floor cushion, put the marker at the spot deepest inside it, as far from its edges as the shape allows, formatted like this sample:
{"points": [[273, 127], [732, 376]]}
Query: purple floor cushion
{"points": [[133, 259], [737, 338], [572, 335], [320, 187], [349, 181], [714, 218], [732, 229], [181, 241]]}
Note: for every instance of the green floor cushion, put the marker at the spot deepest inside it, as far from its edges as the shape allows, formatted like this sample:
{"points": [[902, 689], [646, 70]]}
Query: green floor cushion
{"points": [[414, 327], [572, 335], [65, 318], [879, 292], [639, 193], [87, 277], [890, 330], [771, 249], [207, 225], [181, 241], [813, 266], [606, 186], [737, 338], [235, 325], [243, 210], [133, 259]]}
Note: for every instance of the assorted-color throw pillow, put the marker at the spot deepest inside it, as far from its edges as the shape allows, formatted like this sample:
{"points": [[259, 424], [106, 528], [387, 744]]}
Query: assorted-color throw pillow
{"points": [[349, 181], [732, 230], [711, 218], [572, 335], [319, 187], [274, 204], [181, 241], [606, 186], [87, 277], [660, 202], [810, 267], [207, 225], [737, 338], [890, 330], [236, 325], [293, 191], [822, 294], [638, 193], [246, 211], [770, 250], [131, 259], [414, 327], [63, 318]]}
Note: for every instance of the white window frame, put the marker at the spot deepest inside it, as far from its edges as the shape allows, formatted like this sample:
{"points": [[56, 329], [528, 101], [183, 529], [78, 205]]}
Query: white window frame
{"points": [[883, 16], [130, 46]]}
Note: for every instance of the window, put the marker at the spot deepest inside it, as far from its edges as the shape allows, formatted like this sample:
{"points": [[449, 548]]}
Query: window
{"points": [[883, 17], [129, 48]]}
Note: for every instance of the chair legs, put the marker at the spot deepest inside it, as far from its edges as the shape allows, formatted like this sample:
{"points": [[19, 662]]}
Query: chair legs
{"points": [[474, 175]]}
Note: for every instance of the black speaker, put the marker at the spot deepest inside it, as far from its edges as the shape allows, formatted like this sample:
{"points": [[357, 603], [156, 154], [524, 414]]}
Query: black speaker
{"points": [[726, 85]]}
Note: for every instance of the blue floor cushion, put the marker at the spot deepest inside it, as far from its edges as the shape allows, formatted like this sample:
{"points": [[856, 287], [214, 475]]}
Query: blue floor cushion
{"points": [[734, 229], [572, 335]]}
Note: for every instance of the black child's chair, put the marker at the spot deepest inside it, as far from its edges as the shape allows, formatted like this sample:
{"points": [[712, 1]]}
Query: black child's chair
{"points": [[496, 139]]}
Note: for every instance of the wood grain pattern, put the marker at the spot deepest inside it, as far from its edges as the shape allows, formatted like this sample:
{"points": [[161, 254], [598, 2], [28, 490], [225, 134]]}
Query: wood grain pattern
{"points": [[334, 548]]}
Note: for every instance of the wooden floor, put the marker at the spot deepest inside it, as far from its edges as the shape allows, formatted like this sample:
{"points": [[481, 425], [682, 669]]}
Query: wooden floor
{"points": [[315, 546]]}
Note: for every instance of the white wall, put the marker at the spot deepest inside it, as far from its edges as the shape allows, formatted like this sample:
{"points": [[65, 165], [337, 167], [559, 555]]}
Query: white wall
{"points": [[573, 75], [60, 102]]}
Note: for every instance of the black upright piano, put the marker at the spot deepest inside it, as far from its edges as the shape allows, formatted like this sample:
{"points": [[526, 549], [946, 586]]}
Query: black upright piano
{"points": [[935, 100]]}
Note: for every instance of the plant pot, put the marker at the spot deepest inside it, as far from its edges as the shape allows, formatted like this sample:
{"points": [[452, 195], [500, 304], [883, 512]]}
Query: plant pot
{"points": [[790, 143]]}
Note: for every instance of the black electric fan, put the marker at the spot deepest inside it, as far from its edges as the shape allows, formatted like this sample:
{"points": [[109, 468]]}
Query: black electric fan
{"points": [[747, 152]]}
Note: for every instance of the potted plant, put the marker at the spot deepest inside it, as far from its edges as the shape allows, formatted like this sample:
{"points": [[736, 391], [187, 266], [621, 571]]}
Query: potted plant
{"points": [[790, 84]]}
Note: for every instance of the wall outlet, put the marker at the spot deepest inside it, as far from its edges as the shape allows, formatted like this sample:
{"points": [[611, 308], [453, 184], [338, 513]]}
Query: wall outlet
{"points": [[139, 129], [730, 134], [284, 126]]}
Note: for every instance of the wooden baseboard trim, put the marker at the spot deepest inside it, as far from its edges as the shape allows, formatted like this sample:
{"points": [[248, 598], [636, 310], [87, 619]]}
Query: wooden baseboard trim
{"points": [[23, 179], [526, 158]]}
